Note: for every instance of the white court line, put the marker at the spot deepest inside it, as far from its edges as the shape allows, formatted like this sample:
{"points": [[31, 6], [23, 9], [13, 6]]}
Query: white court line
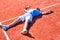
{"points": [[9, 19], [41, 9], [43, 2], [50, 6], [7, 38]]}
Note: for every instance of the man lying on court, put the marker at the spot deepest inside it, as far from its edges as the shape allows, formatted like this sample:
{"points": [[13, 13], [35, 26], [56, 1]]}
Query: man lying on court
{"points": [[27, 18]]}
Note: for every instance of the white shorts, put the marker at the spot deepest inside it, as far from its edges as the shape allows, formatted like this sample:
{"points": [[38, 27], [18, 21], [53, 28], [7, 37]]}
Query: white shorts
{"points": [[26, 16]]}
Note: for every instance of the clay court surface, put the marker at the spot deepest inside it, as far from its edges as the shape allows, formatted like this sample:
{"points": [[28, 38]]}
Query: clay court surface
{"points": [[46, 27]]}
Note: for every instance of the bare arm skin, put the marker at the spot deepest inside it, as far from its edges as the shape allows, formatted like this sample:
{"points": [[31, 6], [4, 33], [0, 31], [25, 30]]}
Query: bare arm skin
{"points": [[48, 12]]}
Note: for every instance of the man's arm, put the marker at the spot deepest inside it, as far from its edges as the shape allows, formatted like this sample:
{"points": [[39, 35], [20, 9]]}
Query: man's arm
{"points": [[48, 12]]}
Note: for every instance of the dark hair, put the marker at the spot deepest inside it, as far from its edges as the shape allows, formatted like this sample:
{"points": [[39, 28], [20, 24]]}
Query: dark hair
{"points": [[38, 9]]}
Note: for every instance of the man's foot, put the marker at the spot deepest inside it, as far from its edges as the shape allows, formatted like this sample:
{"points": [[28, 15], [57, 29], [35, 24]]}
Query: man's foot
{"points": [[24, 32], [3, 26]]}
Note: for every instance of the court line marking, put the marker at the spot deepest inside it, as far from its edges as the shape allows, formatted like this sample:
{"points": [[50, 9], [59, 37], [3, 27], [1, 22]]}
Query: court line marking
{"points": [[41, 9], [7, 38], [50, 6], [44, 2], [9, 19]]}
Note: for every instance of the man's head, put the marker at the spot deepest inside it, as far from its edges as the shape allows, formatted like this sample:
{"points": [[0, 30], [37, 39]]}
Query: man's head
{"points": [[38, 9], [27, 7]]}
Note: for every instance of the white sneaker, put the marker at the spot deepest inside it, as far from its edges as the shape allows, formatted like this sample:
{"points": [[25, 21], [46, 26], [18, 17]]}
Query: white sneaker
{"points": [[24, 32]]}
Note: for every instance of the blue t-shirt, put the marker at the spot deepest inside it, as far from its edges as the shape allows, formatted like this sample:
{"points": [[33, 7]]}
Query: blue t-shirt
{"points": [[34, 12]]}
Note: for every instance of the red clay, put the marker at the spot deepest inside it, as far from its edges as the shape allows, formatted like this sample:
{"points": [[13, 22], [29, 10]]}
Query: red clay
{"points": [[45, 28]]}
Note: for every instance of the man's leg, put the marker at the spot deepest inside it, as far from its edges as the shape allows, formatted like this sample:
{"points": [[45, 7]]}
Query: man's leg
{"points": [[14, 22], [5, 27], [25, 30]]}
